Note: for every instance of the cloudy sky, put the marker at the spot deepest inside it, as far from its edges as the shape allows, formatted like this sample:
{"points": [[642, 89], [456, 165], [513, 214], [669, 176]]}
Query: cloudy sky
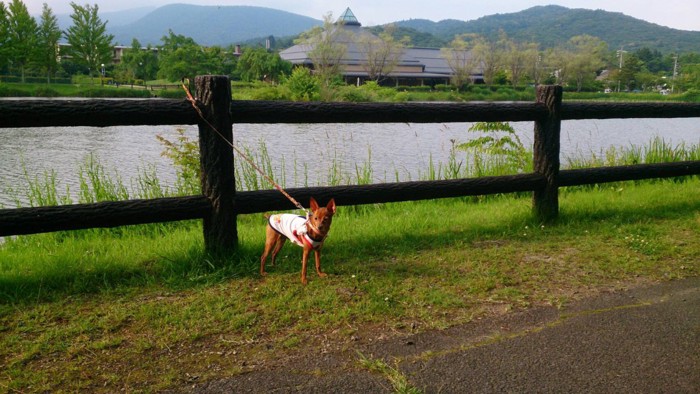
{"points": [[679, 14]]}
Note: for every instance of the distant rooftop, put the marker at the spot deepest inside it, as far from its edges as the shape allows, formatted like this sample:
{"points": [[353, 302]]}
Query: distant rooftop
{"points": [[348, 18]]}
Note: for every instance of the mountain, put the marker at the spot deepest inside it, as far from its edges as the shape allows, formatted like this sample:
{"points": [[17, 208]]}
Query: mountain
{"points": [[554, 25], [547, 25], [115, 18], [211, 25]]}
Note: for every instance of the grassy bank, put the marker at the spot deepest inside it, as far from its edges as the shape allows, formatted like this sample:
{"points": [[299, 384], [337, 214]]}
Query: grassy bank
{"points": [[93, 89], [369, 92], [79, 310]]}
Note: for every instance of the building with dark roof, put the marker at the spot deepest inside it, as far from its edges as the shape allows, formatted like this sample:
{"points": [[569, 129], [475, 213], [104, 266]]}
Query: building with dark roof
{"points": [[415, 66]]}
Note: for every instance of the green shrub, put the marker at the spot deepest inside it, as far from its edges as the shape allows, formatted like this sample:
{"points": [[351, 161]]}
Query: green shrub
{"points": [[45, 91], [114, 92], [302, 85], [498, 151], [355, 95], [11, 91], [692, 95], [170, 93], [425, 88], [402, 97], [271, 93], [184, 154]]}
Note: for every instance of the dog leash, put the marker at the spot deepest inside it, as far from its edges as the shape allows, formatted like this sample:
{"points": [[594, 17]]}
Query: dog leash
{"points": [[193, 101]]}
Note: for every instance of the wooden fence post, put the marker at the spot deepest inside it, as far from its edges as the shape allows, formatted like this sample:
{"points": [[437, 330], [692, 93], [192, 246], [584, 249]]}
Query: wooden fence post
{"points": [[545, 200], [213, 94]]}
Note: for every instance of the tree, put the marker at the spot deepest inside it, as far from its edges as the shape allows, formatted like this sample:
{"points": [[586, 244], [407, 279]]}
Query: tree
{"points": [[22, 37], [461, 58], [382, 52], [4, 36], [516, 58], [689, 76], [648, 81], [586, 57], [257, 64], [90, 45], [556, 60], [489, 54], [252, 65], [327, 46], [47, 43], [535, 65], [179, 57], [137, 63], [213, 61], [628, 73], [688, 58], [278, 67], [653, 60]]}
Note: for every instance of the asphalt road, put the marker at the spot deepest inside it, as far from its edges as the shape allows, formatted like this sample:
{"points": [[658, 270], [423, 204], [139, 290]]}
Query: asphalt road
{"points": [[643, 340]]}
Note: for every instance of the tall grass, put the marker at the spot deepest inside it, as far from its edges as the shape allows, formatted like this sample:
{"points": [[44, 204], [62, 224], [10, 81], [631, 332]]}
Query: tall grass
{"points": [[656, 150], [95, 183], [499, 152]]}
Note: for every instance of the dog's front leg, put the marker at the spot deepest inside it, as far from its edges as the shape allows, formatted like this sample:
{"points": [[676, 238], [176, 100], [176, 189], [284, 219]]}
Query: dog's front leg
{"points": [[304, 261], [317, 255]]}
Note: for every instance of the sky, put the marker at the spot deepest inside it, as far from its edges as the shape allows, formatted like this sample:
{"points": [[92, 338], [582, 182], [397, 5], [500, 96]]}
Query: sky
{"points": [[678, 14]]}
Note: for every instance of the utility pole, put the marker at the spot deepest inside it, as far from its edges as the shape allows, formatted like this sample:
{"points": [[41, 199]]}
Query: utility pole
{"points": [[620, 54], [675, 72]]}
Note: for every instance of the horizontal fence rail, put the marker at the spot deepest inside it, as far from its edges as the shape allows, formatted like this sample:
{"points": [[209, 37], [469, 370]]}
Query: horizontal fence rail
{"points": [[112, 214], [119, 213], [106, 214], [102, 113], [590, 176], [597, 110], [219, 203]]}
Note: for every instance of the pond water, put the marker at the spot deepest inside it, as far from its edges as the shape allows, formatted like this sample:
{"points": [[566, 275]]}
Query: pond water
{"points": [[306, 151]]}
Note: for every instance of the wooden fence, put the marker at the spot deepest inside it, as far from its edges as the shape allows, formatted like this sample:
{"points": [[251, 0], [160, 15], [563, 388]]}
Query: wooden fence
{"points": [[220, 203]]}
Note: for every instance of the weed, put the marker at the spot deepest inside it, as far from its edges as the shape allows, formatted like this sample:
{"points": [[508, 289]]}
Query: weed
{"points": [[498, 151], [398, 380]]}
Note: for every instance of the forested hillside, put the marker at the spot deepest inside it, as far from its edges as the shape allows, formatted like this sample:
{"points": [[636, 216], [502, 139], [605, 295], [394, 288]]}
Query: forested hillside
{"points": [[553, 25]]}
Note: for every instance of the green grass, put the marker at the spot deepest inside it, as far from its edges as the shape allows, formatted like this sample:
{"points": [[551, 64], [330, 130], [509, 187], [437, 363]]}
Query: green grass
{"points": [[79, 309], [70, 90], [91, 87], [398, 381], [656, 150]]}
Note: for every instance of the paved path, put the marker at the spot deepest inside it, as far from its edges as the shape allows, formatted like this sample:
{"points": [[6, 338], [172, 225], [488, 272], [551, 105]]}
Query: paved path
{"points": [[645, 340]]}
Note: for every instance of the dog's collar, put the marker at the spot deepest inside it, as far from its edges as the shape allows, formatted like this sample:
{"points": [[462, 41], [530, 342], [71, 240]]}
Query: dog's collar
{"points": [[320, 240], [313, 243]]}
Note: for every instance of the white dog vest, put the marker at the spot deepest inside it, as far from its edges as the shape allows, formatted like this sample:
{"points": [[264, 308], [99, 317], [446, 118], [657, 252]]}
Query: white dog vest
{"points": [[294, 228]]}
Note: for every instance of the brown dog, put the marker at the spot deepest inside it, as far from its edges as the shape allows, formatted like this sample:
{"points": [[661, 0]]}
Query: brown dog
{"points": [[309, 234]]}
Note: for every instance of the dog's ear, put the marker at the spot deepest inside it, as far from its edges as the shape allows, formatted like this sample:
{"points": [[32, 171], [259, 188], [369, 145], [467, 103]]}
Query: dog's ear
{"points": [[331, 206], [313, 205]]}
